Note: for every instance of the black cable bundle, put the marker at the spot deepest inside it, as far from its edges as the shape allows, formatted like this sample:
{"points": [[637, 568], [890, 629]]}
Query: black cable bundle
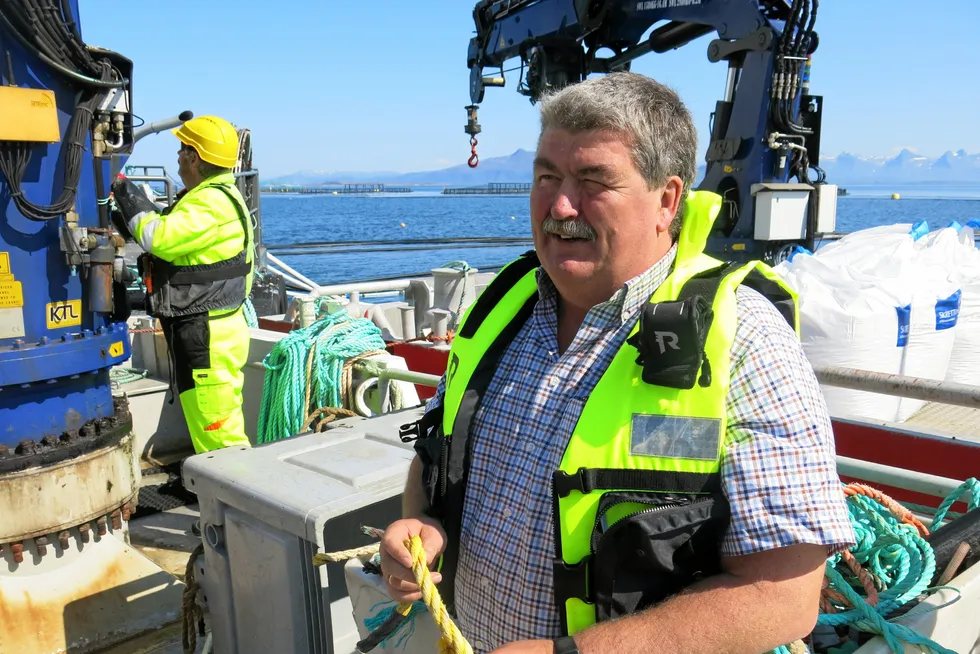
{"points": [[48, 32], [794, 43]]}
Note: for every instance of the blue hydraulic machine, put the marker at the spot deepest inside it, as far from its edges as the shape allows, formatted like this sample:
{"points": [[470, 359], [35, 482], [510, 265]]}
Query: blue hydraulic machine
{"points": [[65, 114], [69, 472]]}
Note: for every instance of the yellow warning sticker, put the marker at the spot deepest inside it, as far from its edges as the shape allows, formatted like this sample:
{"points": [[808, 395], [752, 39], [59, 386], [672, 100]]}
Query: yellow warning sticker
{"points": [[116, 349], [11, 295], [64, 314], [11, 292]]}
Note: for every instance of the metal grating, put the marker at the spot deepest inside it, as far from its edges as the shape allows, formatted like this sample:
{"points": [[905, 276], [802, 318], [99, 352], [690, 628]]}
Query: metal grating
{"points": [[321, 638]]}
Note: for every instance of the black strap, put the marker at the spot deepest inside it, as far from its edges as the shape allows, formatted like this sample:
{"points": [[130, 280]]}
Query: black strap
{"points": [[773, 292], [587, 480], [505, 280], [206, 276], [570, 580], [565, 645], [207, 273], [226, 189], [706, 284], [461, 446]]}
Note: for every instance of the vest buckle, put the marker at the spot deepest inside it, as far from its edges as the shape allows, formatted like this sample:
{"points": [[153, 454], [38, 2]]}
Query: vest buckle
{"points": [[564, 483], [415, 430], [410, 432]]}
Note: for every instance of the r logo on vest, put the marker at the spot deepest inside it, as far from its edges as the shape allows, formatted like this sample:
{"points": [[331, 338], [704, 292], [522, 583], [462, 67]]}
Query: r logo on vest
{"points": [[670, 342], [665, 340]]}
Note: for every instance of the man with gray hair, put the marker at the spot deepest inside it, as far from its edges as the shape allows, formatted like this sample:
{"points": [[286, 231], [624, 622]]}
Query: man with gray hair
{"points": [[629, 451]]}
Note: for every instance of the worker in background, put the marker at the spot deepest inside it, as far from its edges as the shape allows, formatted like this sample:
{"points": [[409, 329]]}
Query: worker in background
{"points": [[197, 269], [615, 370]]}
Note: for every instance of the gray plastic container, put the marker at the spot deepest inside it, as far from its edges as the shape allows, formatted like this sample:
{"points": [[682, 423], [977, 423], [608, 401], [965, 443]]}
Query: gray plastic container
{"points": [[265, 511]]}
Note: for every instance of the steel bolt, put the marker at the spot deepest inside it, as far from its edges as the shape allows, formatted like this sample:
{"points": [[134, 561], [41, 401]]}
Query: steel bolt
{"points": [[116, 519], [17, 549], [84, 532], [100, 524], [102, 426], [43, 340], [63, 539], [19, 343], [26, 446], [42, 545]]}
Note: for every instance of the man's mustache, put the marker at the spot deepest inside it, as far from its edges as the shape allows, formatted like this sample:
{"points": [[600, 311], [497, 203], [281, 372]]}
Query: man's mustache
{"points": [[568, 228]]}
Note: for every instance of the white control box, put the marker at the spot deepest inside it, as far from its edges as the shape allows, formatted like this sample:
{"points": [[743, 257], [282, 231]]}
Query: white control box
{"points": [[826, 208], [781, 211]]}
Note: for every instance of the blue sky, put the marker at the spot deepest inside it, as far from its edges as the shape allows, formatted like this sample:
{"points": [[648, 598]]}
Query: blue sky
{"points": [[359, 85]]}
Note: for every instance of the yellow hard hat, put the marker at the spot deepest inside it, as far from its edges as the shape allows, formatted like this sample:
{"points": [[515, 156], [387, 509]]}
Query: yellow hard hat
{"points": [[215, 139]]}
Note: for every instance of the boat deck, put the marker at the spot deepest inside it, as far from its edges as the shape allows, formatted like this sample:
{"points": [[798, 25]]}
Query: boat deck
{"points": [[957, 422]]}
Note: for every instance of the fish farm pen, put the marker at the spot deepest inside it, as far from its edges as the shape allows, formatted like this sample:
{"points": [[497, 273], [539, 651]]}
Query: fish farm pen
{"points": [[346, 189], [493, 188]]}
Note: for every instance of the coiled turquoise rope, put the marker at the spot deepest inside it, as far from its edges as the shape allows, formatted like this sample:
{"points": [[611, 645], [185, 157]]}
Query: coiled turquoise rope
{"points": [[249, 310], [331, 340], [902, 562]]}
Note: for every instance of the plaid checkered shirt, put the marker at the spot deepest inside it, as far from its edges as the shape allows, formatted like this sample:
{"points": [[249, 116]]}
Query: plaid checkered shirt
{"points": [[778, 471]]}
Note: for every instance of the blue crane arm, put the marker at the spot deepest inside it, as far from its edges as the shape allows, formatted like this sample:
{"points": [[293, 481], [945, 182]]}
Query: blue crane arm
{"points": [[765, 130]]}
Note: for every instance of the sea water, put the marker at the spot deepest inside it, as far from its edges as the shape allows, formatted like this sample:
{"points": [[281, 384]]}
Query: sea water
{"points": [[290, 218]]}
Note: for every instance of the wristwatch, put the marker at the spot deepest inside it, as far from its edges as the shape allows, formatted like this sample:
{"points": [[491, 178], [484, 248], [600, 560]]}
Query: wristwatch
{"points": [[565, 645]]}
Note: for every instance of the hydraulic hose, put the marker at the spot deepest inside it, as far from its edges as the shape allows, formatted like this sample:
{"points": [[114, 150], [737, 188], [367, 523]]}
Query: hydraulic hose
{"points": [[60, 68]]}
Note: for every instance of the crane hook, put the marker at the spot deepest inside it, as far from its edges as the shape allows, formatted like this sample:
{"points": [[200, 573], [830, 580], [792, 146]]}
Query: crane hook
{"points": [[474, 159]]}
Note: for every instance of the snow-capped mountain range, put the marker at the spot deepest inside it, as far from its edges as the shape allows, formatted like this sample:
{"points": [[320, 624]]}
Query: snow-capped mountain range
{"points": [[906, 167]]}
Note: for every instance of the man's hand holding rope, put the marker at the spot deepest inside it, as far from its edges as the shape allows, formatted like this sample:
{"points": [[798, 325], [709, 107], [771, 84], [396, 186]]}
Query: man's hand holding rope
{"points": [[396, 561]]}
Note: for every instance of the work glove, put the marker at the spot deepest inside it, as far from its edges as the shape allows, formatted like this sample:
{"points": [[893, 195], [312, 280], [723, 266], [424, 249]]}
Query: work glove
{"points": [[118, 221], [130, 202]]}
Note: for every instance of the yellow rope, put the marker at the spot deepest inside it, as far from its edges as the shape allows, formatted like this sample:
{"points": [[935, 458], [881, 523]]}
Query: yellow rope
{"points": [[344, 555], [452, 641]]}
